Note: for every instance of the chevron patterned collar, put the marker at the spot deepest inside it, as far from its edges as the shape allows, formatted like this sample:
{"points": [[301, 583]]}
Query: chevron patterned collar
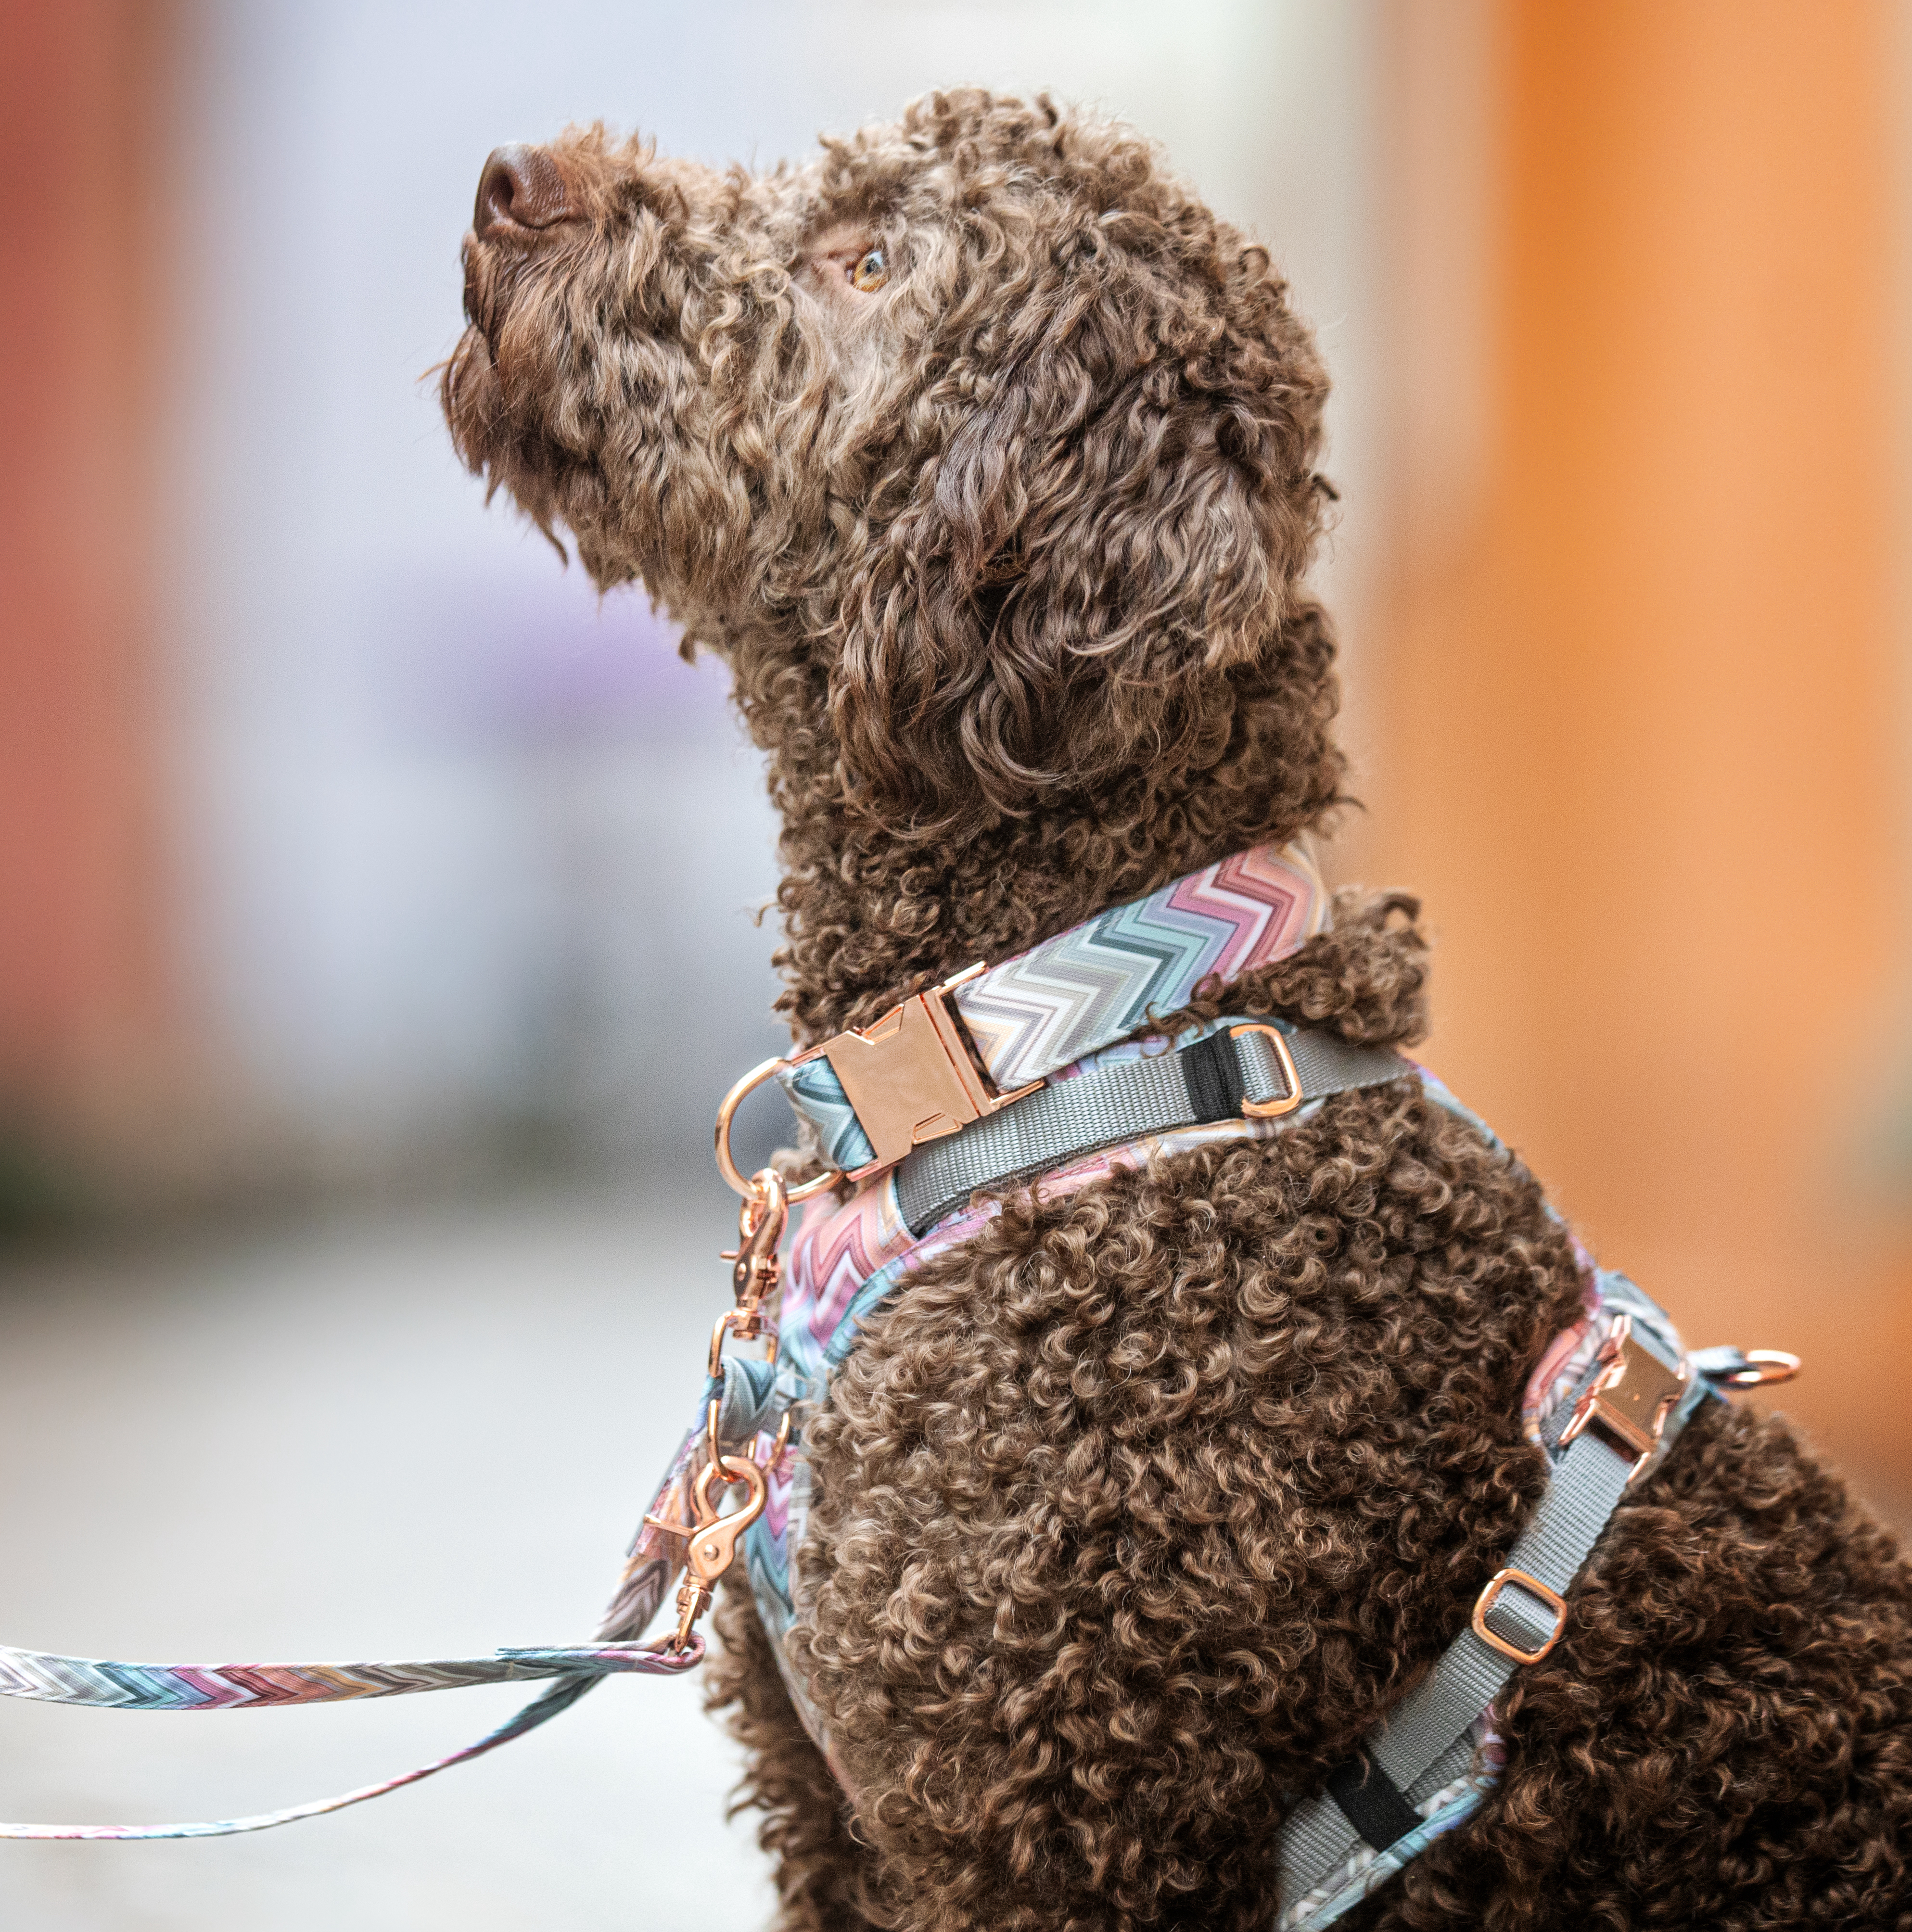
{"points": [[981, 1040]]}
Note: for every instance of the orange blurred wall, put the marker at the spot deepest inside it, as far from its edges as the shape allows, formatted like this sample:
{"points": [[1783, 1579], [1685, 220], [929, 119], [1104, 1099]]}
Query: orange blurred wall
{"points": [[85, 998], [1637, 716]]}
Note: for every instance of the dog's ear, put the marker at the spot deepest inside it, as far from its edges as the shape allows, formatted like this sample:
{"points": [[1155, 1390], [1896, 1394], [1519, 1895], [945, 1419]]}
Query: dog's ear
{"points": [[1117, 519]]}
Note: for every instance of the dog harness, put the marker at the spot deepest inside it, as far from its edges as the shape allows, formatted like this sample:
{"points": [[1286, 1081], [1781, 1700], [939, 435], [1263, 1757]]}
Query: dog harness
{"points": [[1035, 1071], [1607, 1401]]}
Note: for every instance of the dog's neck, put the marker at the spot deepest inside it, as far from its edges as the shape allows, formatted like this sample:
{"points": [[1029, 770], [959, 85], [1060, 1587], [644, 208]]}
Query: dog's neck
{"points": [[870, 918], [874, 911]]}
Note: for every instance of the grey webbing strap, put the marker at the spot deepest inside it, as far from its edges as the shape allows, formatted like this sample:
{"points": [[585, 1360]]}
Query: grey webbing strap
{"points": [[1209, 1081], [1425, 1743]]}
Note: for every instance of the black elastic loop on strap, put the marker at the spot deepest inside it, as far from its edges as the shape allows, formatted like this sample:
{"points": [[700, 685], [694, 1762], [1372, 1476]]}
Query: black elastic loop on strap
{"points": [[1371, 1801], [1213, 1070]]}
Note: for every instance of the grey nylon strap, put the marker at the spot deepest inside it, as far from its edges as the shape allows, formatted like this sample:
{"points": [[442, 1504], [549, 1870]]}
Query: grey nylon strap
{"points": [[1424, 1744], [1126, 1102], [1327, 1063]]}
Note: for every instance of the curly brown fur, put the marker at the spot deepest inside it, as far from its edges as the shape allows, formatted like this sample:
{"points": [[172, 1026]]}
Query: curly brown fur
{"points": [[822, 1875], [1137, 1511]]}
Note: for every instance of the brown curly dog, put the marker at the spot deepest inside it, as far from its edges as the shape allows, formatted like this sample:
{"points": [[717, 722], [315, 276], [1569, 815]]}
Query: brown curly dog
{"points": [[984, 455]]}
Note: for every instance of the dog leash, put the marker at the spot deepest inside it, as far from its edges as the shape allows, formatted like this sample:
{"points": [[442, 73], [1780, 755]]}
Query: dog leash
{"points": [[701, 1529], [235, 1687]]}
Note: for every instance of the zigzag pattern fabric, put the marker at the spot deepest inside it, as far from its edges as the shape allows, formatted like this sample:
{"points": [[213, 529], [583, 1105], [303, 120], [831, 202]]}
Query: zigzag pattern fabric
{"points": [[1075, 993], [106, 1685], [1101, 979], [816, 1093]]}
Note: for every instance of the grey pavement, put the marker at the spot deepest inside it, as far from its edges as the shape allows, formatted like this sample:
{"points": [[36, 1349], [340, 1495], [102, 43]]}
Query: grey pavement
{"points": [[425, 1435]]}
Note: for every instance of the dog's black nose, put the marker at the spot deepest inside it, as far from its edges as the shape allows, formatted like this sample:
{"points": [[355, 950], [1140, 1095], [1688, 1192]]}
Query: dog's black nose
{"points": [[521, 189]]}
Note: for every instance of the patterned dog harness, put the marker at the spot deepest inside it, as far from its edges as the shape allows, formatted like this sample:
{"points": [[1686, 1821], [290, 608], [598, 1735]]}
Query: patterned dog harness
{"points": [[1607, 1401], [1033, 1071]]}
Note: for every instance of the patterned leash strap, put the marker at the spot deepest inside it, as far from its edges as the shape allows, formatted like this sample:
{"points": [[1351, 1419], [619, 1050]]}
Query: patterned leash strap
{"points": [[103, 1685], [684, 1509], [688, 1528]]}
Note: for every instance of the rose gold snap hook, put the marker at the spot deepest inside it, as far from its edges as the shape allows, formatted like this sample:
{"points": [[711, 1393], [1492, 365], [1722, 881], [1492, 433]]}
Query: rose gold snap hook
{"points": [[760, 1226], [711, 1539], [726, 1111]]}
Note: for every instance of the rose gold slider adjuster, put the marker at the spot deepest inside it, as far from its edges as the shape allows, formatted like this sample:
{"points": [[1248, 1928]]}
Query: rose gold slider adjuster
{"points": [[1290, 1098], [1534, 1587]]}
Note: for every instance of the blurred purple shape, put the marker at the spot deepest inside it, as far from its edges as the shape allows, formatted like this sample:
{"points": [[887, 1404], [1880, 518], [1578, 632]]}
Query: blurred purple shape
{"points": [[537, 661]]}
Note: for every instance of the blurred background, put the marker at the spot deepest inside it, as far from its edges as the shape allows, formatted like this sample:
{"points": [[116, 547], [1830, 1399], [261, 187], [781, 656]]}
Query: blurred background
{"points": [[358, 1223]]}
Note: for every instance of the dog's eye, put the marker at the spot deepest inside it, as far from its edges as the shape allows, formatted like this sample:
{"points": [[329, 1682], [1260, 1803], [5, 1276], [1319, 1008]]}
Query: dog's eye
{"points": [[871, 272]]}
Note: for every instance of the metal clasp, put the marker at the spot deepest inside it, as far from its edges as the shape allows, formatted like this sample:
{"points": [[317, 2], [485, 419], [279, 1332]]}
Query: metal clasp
{"points": [[911, 1076], [758, 1267], [1631, 1399], [1759, 1368], [712, 1536]]}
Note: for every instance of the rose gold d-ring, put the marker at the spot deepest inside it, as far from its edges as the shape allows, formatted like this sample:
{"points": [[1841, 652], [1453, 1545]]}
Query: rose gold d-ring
{"points": [[727, 1167]]}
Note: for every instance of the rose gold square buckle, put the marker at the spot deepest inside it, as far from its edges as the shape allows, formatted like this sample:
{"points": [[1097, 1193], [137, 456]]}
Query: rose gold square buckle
{"points": [[912, 1076], [1534, 1586], [1631, 1399]]}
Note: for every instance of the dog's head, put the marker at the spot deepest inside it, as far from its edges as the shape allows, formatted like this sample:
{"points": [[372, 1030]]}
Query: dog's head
{"points": [[982, 450]]}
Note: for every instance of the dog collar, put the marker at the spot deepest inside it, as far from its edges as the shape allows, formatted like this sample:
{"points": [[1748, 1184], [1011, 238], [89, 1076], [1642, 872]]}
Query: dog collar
{"points": [[992, 1035]]}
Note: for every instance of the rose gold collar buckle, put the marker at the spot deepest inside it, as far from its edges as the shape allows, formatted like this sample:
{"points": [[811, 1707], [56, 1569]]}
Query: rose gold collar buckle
{"points": [[1632, 1397], [913, 1076]]}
